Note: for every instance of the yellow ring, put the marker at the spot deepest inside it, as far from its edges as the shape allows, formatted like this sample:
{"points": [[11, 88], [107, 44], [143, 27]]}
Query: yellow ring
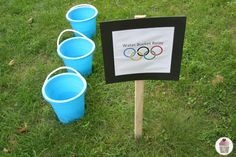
{"points": [[140, 57]]}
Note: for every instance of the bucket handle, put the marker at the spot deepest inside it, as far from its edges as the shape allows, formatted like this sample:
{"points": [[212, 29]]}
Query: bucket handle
{"points": [[60, 68], [69, 30]]}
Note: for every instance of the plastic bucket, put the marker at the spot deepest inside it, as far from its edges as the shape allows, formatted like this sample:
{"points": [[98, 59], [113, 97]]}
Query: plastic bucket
{"points": [[77, 52], [65, 92], [83, 19]]}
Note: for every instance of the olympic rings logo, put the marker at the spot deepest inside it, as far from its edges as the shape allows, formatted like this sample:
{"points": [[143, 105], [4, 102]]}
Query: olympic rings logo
{"points": [[143, 52]]}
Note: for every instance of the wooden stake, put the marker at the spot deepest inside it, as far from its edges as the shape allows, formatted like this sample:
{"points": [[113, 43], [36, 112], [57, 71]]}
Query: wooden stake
{"points": [[139, 90], [139, 16], [138, 118]]}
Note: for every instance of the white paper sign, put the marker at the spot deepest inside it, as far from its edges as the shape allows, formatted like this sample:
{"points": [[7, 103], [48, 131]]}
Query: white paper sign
{"points": [[146, 50]]}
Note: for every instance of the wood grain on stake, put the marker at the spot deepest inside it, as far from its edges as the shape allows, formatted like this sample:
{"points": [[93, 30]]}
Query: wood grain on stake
{"points": [[139, 90], [138, 122]]}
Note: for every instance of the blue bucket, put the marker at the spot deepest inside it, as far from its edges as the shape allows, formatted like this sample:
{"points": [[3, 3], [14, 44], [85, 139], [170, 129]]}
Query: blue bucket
{"points": [[83, 19], [65, 92], [77, 52]]}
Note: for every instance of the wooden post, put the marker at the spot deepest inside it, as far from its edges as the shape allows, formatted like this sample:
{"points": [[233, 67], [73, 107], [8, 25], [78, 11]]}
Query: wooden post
{"points": [[138, 118], [139, 91]]}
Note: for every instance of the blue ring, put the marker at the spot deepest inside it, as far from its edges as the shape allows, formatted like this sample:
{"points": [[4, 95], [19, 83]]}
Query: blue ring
{"points": [[129, 49]]}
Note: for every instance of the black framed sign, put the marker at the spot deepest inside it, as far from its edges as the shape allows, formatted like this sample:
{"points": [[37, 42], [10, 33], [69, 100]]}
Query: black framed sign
{"points": [[143, 49]]}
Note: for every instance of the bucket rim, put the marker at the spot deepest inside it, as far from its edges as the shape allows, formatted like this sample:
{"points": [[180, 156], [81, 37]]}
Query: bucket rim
{"points": [[81, 6], [75, 58], [66, 100]]}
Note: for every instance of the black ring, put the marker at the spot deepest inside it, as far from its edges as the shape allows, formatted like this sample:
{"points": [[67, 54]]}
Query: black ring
{"points": [[145, 52]]}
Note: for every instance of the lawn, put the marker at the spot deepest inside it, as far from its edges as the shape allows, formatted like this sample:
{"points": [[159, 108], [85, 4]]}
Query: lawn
{"points": [[181, 118]]}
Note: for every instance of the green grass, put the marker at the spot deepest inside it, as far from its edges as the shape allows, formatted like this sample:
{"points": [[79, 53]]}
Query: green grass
{"points": [[182, 118]]}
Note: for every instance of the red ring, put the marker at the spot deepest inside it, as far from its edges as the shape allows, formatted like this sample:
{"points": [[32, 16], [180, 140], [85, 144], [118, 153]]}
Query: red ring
{"points": [[154, 52]]}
